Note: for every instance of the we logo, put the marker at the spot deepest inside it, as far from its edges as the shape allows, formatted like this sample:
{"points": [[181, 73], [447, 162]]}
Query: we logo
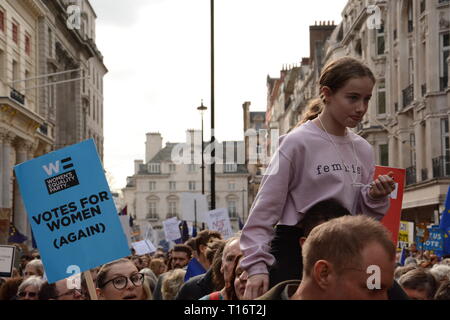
{"points": [[53, 168]]}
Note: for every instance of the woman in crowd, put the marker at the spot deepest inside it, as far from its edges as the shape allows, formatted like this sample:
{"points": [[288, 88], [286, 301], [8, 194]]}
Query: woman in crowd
{"points": [[29, 288], [121, 280], [34, 268]]}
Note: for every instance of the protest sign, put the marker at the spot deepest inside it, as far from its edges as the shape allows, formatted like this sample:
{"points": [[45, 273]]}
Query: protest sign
{"points": [[405, 234], [143, 247], [194, 207], [71, 210], [392, 218], [220, 221], [445, 225], [172, 229], [7, 254], [434, 241], [125, 222]]}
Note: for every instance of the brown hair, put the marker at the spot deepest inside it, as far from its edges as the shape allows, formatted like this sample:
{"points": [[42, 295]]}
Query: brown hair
{"points": [[183, 248], [204, 236], [231, 291], [354, 234], [155, 265], [172, 283], [216, 264], [420, 280], [335, 75], [102, 273], [443, 293]]}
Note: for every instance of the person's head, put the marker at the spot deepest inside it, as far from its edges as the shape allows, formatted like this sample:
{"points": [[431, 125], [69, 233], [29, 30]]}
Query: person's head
{"points": [[24, 259], [440, 272], [172, 283], [158, 266], [203, 238], [137, 260], [345, 87], [443, 292], [120, 280], [145, 261], [239, 279], [214, 256], [338, 257], [34, 268], [399, 271], [230, 252], [9, 289], [319, 213], [181, 255], [410, 261], [35, 254], [191, 242], [418, 284], [29, 288], [150, 278]]}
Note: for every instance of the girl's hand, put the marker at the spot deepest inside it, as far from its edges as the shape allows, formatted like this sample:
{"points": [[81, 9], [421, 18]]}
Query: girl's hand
{"points": [[382, 186]]}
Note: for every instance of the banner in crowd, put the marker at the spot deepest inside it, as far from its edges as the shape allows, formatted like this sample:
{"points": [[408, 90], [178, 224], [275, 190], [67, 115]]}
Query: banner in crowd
{"points": [[143, 247], [392, 218], [434, 241], [194, 206], [172, 229], [445, 225], [71, 210], [219, 220], [405, 234], [7, 255]]}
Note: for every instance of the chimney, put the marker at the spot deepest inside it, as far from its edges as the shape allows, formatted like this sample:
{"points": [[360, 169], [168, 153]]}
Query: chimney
{"points": [[152, 146], [137, 164], [246, 110]]}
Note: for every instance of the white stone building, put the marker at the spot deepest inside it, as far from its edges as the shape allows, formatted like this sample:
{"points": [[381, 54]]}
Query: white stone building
{"points": [[153, 193]]}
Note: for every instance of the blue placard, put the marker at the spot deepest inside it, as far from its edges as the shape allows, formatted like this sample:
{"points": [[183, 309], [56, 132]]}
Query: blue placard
{"points": [[71, 210]]}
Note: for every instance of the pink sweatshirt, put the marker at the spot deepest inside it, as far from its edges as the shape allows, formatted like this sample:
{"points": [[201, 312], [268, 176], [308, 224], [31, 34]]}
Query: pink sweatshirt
{"points": [[305, 170]]}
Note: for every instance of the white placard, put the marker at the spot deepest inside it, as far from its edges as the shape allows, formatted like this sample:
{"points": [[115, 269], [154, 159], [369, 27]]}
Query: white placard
{"points": [[143, 247], [172, 229], [219, 220], [125, 221], [6, 260], [191, 203]]}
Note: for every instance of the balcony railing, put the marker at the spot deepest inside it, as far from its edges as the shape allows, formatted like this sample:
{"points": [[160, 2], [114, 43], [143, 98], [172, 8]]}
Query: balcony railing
{"points": [[17, 96], [443, 83], [408, 95], [424, 174], [441, 167], [411, 175], [152, 217]]}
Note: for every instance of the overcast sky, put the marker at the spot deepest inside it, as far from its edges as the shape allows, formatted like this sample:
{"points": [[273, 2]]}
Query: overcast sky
{"points": [[158, 56]]}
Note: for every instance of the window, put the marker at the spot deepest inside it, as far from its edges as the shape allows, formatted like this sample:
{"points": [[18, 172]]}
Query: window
{"points": [[410, 17], [15, 32], [172, 185], [192, 167], [152, 185], [231, 167], [445, 53], [232, 208], [380, 40], [2, 21], [154, 167], [384, 154], [172, 208], [172, 168], [152, 208], [412, 143], [231, 185], [27, 44], [381, 99], [191, 185], [50, 43]]}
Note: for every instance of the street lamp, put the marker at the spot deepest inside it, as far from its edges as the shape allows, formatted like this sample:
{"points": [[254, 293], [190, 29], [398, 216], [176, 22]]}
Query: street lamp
{"points": [[202, 109]]}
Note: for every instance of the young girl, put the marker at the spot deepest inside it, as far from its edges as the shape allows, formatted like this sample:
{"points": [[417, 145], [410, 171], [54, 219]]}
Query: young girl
{"points": [[320, 159]]}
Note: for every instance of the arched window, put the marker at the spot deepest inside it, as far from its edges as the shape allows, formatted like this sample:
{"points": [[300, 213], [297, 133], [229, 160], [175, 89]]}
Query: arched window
{"points": [[153, 208]]}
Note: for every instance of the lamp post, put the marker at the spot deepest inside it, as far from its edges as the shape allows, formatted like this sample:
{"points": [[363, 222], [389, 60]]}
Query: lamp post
{"points": [[202, 109]]}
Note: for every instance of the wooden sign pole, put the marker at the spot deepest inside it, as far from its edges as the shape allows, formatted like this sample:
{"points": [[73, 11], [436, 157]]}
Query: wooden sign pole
{"points": [[90, 285]]}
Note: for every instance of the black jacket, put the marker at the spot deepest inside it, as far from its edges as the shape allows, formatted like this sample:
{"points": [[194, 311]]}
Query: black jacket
{"points": [[196, 287]]}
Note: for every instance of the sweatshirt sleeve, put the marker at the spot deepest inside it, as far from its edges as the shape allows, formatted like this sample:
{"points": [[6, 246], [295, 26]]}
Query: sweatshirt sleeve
{"points": [[375, 208], [264, 215]]}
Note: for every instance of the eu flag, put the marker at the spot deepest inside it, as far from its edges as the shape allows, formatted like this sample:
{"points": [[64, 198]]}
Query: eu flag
{"points": [[15, 236], [194, 268], [445, 225]]}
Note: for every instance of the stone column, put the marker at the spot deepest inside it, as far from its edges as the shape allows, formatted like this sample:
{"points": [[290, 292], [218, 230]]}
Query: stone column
{"points": [[420, 143], [20, 215], [7, 170], [2, 137]]}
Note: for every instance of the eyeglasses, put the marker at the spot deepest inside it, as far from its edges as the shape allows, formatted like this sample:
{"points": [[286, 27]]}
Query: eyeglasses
{"points": [[24, 294], [73, 292], [121, 282]]}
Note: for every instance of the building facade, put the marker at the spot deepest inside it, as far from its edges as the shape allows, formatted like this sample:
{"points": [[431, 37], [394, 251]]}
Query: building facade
{"points": [[154, 192], [407, 44], [41, 104]]}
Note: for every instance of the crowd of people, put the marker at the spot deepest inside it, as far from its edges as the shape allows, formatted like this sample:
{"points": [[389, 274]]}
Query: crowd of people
{"points": [[209, 268]]}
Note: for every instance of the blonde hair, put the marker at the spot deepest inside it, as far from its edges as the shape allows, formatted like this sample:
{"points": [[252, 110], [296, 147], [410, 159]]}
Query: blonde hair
{"points": [[37, 264], [354, 234], [172, 283]]}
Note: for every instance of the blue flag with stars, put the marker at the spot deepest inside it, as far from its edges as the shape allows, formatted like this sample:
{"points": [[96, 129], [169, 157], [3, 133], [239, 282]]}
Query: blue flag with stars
{"points": [[445, 225]]}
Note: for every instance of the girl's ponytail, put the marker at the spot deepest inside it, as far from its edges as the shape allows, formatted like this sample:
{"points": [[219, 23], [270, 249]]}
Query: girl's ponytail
{"points": [[312, 110]]}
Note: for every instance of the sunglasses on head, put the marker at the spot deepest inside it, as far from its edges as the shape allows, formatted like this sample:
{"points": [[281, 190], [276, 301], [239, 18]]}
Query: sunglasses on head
{"points": [[30, 294]]}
